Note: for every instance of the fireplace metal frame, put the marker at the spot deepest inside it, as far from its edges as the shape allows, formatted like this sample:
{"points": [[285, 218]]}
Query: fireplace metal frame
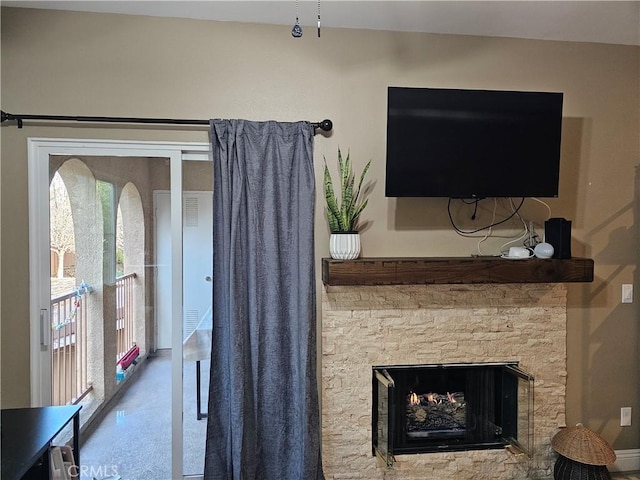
{"points": [[516, 425]]}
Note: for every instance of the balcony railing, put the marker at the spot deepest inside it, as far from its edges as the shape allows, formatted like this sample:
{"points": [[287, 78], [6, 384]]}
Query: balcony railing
{"points": [[69, 345], [69, 348], [124, 314]]}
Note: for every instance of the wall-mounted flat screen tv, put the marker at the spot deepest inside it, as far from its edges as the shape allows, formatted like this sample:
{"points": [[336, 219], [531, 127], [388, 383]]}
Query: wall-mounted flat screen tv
{"points": [[472, 143]]}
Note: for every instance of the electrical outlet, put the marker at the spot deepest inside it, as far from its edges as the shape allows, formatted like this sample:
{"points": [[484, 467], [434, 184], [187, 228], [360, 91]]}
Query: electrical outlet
{"points": [[625, 417], [627, 293]]}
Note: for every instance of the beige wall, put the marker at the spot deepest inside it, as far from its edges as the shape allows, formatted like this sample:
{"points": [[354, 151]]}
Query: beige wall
{"points": [[72, 63]]}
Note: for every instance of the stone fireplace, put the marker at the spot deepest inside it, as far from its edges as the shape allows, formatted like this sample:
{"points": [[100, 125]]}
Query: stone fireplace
{"points": [[365, 326]]}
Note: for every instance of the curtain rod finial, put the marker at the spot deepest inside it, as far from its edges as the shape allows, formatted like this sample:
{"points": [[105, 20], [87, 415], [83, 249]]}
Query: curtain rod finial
{"points": [[325, 125], [4, 116]]}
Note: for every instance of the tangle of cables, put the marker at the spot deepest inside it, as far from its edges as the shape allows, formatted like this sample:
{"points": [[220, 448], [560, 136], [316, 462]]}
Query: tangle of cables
{"points": [[485, 227]]}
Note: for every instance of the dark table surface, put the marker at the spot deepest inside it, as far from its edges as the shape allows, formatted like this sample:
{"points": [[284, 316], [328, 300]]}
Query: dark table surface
{"points": [[27, 433]]}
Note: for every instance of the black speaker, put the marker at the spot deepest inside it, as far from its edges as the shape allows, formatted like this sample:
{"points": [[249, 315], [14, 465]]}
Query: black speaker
{"points": [[557, 232]]}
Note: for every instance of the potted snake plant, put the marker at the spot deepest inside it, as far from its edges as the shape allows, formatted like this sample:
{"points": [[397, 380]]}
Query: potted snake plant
{"points": [[343, 213]]}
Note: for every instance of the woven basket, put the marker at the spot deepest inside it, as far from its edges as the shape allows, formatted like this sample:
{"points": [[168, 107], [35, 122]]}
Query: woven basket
{"points": [[567, 469], [583, 445]]}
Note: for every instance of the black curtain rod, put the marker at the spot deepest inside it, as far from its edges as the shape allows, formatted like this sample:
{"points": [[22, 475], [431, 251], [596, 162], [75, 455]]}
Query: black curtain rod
{"points": [[325, 125]]}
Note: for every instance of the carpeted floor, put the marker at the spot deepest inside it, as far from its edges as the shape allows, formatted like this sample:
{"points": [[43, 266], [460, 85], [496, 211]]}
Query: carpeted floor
{"points": [[134, 438]]}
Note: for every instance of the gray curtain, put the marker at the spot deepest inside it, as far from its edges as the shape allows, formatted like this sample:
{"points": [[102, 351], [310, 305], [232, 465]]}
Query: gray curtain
{"points": [[263, 419]]}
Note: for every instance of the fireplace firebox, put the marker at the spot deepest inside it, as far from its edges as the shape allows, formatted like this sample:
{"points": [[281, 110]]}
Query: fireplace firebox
{"points": [[450, 407]]}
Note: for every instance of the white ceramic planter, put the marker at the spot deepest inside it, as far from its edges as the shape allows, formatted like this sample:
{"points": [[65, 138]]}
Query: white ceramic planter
{"points": [[344, 246]]}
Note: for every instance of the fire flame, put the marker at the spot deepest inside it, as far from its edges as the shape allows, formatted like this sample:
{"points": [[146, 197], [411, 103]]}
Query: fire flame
{"points": [[432, 398]]}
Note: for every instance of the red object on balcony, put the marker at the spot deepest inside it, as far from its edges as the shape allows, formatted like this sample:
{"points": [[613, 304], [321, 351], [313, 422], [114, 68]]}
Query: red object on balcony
{"points": [[129, 357]]}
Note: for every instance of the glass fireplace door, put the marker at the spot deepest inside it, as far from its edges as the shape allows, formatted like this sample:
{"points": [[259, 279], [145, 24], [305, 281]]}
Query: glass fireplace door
{"points": [[383, 418], [451, 407], [518, 422]]}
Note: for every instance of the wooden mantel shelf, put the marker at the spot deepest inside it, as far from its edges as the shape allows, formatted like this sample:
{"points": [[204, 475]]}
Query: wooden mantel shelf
{"points": [[454, 270]]}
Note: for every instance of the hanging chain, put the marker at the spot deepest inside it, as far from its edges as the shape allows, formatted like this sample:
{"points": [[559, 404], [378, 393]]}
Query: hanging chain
{"points": [[318, 18], [296, 31]]}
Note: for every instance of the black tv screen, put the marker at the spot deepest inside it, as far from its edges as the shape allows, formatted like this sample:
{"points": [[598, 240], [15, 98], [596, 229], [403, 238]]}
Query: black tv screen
{"points": [[472, 143]]}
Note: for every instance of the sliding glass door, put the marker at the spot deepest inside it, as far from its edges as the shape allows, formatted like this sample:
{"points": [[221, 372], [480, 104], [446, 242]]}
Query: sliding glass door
{"points": [[94, 340]]}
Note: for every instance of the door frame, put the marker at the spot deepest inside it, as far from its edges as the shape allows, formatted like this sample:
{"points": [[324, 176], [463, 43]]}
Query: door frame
{"points": [[38, 152]]}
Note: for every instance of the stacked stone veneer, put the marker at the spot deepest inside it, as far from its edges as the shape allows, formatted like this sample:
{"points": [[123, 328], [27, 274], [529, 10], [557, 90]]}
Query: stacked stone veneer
{"points": [[364, 326]]}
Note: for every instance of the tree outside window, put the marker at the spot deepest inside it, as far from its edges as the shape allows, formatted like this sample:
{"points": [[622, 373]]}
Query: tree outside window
{"points": [[62, 237]]}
